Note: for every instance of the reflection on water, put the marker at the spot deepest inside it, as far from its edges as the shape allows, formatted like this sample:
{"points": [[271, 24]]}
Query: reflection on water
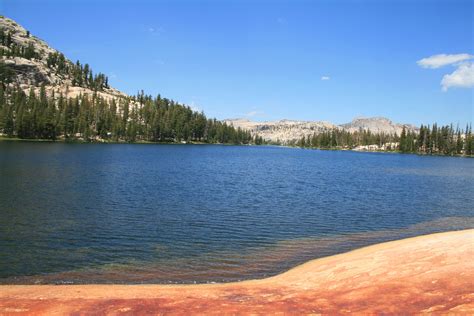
{"points": [[159, 214]]}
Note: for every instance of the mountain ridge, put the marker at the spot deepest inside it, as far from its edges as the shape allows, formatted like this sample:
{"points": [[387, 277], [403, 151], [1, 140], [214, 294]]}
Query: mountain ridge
{"points": [[286, 130]]}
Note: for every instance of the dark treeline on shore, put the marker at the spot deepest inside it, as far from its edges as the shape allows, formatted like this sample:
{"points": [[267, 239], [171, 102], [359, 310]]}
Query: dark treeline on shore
{"points": [[93, 118], [434, 140], [444, 140], [144, 118], [339, 138]]}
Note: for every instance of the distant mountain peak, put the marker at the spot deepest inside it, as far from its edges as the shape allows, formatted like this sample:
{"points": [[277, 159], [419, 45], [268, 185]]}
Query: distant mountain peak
{"points": [[286, 130], [376, 124]]}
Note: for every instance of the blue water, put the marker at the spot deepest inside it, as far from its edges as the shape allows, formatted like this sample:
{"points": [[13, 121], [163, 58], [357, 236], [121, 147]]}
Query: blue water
{"points": [[122, 213]]}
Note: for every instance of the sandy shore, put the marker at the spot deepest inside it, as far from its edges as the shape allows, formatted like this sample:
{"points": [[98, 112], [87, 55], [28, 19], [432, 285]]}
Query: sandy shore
{"points": [[427, 274]]}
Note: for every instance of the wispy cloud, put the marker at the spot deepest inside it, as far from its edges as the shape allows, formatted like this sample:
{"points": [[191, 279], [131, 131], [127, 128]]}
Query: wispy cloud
{"points": [[437, 61], [155, 30], [325, 78], [281, 21], [254, 113], [462, 76]]}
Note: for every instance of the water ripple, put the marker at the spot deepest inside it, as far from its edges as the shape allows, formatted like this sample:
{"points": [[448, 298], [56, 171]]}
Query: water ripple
{"points": [[135, 213]]}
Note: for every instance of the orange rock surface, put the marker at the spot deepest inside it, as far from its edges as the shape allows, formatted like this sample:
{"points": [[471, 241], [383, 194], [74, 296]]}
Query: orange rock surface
{"points": [[426, 274]]}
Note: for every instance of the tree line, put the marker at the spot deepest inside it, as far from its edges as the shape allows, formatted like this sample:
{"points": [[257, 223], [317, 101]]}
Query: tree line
{"points": [[339, 138], [444, 140], [92, 118]]}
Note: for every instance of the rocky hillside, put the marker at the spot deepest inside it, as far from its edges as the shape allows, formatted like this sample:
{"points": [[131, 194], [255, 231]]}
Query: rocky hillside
{"points": [[34, 63], [285, 131], [377, 125], [281, 131]]}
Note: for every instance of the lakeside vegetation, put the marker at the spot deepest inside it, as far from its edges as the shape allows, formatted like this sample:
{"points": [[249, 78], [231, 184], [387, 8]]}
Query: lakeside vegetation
{"points": [[430, 140], [141, 118]]}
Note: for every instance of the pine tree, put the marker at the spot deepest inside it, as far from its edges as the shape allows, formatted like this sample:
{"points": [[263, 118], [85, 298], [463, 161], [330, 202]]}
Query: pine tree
{"points": [[403, 141]]}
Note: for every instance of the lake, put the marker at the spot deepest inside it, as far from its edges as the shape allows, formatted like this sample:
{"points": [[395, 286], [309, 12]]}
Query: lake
{"points": [[119, 213]]}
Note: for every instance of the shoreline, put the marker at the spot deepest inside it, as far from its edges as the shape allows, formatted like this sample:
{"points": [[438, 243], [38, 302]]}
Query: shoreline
{"points": [[74, 141], [428, 273]]}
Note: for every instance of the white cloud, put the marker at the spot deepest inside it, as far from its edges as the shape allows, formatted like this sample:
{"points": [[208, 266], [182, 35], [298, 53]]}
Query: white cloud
{"points": [[254, 113], [325, 78], [462, 77], [437, 61]]}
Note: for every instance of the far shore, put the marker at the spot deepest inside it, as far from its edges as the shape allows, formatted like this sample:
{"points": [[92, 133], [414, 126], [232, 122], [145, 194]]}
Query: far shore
{"points": [[80, 141], [426, 274]]}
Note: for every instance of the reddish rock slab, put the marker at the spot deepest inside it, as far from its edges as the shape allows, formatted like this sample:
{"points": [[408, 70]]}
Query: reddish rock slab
{"points": [[432, 274]]}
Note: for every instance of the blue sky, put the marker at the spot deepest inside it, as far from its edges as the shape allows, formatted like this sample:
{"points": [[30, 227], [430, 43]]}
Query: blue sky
{"points": [[267, 60]]}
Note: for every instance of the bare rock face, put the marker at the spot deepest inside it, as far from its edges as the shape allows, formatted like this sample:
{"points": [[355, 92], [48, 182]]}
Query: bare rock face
{"points": [[286, 131], [22, 37], [28, 73], [283, 131], [35, 72], [377, 125]]}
